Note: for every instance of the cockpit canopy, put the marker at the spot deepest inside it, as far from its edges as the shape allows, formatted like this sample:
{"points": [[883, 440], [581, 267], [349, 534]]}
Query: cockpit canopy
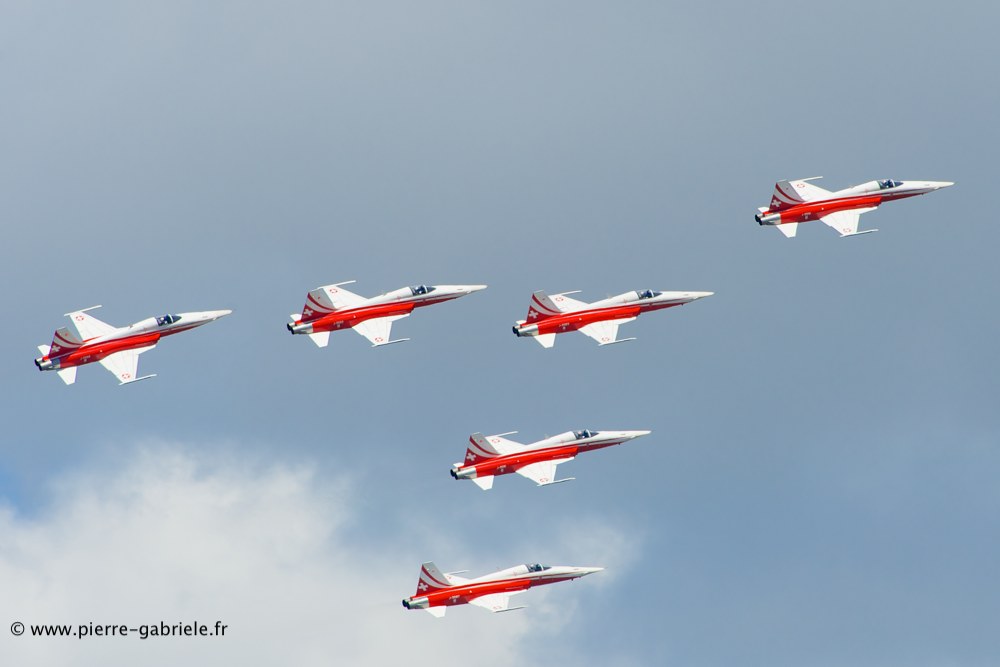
{"points": [[421, 289], [888, 183], [647, 293], [167, 319], [538, 568], [585, 433]]}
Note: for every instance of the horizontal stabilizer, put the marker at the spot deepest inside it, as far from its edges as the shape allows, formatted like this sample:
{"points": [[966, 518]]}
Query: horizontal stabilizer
{"points": [[67, 375], [546, 340], [559, 481], [321, 338], [788, 229], [437, 612], [484, 483], [44, 349]]}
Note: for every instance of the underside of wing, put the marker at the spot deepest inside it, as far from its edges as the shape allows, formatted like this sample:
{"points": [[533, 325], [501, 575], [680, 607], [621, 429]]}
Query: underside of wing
{"points": [[125, 364], [790, 193], [845, 222], [541, 473], [495, 602], [377, 330], [604, 332], [567, 304], [88, 326], [341, 298]]}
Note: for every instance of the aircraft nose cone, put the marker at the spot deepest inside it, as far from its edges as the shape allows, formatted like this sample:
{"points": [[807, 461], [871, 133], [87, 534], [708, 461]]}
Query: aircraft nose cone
{"points": [[944, 184], [700, 295], [589, 570], [473, 288], [638, 434], [216, 314]]}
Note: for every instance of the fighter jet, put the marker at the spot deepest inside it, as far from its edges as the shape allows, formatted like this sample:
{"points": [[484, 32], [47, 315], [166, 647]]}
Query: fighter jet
{"points": [[436, 591], [548, 316], [488, 456], [332, 308], [799, 201], [117, 349]]}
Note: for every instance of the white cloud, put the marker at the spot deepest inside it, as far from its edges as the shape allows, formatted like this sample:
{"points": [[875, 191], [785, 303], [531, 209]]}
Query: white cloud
{"points": [[171, 533]]}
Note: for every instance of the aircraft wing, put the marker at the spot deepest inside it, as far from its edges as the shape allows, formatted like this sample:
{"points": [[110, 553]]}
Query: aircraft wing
{"points": [[503, 445], [377, 329], [88, 326], [543, 472], [845, 222], [124, 365], [605, 332], [789, 193], [337, 296], [566, 304], [496, 602]]}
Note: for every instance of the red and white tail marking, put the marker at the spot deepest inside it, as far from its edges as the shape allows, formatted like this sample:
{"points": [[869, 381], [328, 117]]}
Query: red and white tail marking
{"points": [[431, 579], [64, 341], [318, 304], [541, 307], [479, 449], [791, 193]]}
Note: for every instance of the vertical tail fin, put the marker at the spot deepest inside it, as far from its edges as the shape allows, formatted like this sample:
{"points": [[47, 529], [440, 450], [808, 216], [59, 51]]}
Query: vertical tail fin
{"points": [[318, 304], [431, 579], [541, 307], [479, 448], [64, 341]]}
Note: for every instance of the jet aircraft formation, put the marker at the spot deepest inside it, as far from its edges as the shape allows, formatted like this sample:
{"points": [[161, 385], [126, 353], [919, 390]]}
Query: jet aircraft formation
{"points": [[332, 308]]}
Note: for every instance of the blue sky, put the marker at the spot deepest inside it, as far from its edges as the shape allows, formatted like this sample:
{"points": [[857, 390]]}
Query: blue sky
{"points": [[819, 487]]}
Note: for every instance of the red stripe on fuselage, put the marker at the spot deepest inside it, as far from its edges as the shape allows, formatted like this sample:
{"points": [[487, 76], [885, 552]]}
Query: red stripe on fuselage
{"points": [[354, 316], [581, 318], [463, 593], [89, 353], [508, 463], [815, 209]]}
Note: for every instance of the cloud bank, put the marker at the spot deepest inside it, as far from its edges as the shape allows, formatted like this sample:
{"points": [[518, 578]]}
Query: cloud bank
{"points": [[170, 533]]}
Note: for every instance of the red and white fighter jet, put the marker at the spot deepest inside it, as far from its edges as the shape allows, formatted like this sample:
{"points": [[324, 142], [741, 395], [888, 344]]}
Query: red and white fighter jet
{"points": [[799, 201], [556, 314], [488, 456], [436, 591], [332, 308], [117, 349]]}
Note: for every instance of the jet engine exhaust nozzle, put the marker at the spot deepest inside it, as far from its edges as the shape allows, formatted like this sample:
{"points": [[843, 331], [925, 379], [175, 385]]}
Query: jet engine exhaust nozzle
{"points": [[768, 218], [44, 364]]}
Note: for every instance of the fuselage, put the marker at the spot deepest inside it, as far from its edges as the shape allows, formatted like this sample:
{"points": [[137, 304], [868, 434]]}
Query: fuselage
{"points": [[563, 446], [511, 580], [620, 307], [865, 196], [142, 334], [315, 319]]}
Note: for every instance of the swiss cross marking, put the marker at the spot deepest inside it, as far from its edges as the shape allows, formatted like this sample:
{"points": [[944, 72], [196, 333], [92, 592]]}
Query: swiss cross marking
{"points": [[470, 456], [307, 312], [422, 587], [55, 348]]}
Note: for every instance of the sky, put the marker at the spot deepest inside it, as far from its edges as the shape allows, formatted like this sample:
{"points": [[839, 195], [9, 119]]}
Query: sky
{"points": [[819, 487]]}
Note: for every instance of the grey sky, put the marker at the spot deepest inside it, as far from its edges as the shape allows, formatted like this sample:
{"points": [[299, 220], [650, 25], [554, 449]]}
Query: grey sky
{"points": [[820, 485]]}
